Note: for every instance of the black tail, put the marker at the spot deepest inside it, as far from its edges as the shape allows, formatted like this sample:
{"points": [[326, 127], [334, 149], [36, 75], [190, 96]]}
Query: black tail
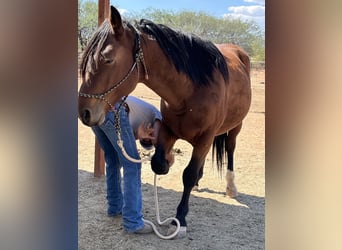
{"points": [[219, 146]]}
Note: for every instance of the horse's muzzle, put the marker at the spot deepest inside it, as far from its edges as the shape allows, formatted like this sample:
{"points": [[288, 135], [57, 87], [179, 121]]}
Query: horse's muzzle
{"points": [[85, 116], [91, 118]]}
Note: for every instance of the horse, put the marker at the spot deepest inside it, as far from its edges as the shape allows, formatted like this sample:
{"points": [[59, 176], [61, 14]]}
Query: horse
{"points": [[204, 88]]}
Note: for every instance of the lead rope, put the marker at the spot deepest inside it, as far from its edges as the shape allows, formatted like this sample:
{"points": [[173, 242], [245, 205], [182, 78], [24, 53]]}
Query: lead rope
{"points": [[164, 237], [121, 146]]}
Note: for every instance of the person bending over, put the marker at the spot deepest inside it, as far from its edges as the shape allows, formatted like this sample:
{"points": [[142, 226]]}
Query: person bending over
{"points": [[141, 121]]}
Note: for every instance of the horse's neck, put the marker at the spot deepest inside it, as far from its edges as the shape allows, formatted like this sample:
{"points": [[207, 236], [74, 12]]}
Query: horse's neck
{"points": [[163, 77]]}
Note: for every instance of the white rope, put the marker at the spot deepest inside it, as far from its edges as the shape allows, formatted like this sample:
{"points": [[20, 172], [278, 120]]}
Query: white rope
{"points": [[120, 143], [178, 227], [164, 237]]}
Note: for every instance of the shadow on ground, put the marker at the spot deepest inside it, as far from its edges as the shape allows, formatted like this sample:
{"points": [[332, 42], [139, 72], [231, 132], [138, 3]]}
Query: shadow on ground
{"points": [[211, 224]]}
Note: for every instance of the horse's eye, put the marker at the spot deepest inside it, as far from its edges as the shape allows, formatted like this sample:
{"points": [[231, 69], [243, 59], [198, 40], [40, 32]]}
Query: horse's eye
{"points": [[105, 60], [108, 61]]}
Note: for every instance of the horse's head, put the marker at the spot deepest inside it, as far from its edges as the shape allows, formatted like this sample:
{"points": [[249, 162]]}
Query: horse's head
{"points": [[108, 68]]}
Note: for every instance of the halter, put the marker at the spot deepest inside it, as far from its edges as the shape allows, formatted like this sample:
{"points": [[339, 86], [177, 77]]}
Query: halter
{"points": [[138, 56]]}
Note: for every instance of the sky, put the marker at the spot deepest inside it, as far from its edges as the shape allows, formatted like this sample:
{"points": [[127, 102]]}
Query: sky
{"points": [[244, 9]]}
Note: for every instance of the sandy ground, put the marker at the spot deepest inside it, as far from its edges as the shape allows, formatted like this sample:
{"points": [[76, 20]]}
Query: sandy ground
{"points": [[215, 221]]}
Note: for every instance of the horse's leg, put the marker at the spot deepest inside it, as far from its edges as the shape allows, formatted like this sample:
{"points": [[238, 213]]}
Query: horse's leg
{"points": [[231, 190], [190, 177], [200, 175], [166, 140]]}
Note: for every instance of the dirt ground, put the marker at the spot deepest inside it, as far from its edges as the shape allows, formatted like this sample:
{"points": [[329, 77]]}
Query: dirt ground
{"points": [[215, 221]]}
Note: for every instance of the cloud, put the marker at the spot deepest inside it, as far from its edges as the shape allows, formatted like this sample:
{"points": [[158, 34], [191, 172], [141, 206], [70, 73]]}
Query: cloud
{"points": [[122, 11], [253, 10], [260, 2], [249, 13]]}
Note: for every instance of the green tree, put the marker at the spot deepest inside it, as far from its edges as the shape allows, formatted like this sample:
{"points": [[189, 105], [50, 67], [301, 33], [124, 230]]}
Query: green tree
{"points": [[246, 34], [87, 21]]}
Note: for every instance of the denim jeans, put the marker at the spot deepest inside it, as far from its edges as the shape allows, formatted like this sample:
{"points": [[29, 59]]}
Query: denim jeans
{"points": [[128, 201]]}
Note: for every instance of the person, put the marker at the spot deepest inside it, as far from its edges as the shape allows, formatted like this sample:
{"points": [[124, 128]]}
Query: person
{"points": [[141, 121]]}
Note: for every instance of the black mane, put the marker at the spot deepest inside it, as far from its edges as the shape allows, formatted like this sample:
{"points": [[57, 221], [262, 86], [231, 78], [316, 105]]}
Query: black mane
{"points": [[190, 54], [88, 62]]}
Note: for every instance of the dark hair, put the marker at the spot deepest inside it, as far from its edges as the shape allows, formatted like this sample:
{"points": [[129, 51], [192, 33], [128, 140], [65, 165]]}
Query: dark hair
{"points": [[191, 55], [146, 144]]}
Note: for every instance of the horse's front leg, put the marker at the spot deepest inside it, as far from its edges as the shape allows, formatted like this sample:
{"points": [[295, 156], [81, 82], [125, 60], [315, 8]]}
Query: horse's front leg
{"points": [[190, 177], [162, 158]]}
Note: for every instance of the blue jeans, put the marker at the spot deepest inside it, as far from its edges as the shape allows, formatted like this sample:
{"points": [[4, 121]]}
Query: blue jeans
{"points": [[128, 202]]}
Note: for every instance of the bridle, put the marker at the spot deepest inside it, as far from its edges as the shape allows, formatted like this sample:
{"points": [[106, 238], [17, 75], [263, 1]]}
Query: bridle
{"points": [[138, 57]]}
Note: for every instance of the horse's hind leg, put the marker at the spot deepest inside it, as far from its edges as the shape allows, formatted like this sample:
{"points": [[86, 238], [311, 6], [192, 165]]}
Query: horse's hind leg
{"points": [[200, 175], [231, 190]]}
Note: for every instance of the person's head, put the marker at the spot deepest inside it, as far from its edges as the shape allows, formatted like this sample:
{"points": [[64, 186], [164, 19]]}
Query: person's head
{"points": [[146, 144], [145, 134]]}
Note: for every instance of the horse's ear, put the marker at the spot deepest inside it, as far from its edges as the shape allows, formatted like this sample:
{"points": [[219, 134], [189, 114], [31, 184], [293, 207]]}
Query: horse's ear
{"points": [[115, 19]]}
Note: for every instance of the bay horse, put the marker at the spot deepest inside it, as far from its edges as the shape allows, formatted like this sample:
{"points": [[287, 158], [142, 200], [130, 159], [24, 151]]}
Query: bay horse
{"points": [[204, 88]]}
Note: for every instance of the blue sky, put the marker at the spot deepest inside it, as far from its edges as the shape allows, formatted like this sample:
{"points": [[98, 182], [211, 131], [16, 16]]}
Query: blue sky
{"points": [[244, 9]]}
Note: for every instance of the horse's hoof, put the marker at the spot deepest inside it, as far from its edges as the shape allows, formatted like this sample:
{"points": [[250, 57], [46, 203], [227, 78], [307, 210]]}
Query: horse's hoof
{"points": [[231, 192], [181, 233]]}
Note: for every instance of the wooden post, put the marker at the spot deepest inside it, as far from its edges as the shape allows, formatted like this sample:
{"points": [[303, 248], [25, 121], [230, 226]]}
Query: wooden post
{"points": [[99, 162], [103, 11]]}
